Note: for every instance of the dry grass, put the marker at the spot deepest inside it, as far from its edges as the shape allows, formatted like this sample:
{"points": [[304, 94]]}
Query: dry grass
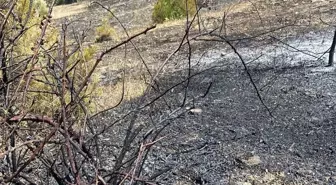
{"points": [[134, 85], [258, 16], [68, 10], [113, 93], [243, 18]]}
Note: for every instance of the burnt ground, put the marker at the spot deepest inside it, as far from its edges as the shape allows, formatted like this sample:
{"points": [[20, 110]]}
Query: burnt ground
{"points": [[233, 139], [298, 143]]}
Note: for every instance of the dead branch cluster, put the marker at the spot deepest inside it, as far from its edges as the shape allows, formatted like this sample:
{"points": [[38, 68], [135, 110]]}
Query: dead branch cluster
{"points": [[60, 143]]}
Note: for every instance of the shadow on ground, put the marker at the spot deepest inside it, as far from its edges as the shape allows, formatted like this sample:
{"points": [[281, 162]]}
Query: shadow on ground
{"points": [[295, 146]]}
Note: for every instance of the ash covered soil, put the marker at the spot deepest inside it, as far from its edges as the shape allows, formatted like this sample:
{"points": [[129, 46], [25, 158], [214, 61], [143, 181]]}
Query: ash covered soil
{"points": [[231, 137], [235, 140]]}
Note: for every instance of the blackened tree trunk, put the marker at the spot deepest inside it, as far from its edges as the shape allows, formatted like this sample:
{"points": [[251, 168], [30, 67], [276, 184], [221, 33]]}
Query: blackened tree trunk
{"points": [[332, 51]]}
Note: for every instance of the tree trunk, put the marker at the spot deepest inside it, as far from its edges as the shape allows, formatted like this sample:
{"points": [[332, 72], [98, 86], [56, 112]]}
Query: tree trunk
{"points": [[332, 51]]}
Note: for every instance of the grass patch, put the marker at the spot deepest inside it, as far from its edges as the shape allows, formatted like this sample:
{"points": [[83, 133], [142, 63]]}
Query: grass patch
{"points": [[172, 9], [112, 93], [105, 32]]}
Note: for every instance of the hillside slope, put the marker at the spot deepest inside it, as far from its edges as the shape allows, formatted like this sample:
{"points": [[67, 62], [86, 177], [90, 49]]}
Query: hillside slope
{"points": [[231, 138]]}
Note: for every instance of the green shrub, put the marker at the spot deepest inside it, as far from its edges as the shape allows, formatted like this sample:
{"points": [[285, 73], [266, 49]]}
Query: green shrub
{"points": [[35, 101], [41, 7], [172, 9], [105, 32]]}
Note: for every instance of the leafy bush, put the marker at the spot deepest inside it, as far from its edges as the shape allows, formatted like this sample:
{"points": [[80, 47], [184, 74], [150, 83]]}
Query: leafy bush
{"points": [[41, 7], [37, 101], [172, 9], [105, 32], [47, 104]]}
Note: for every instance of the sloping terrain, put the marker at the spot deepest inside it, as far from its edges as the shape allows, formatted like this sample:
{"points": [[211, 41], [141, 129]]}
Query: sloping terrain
{"points": [[232, 138], [295, 146]]}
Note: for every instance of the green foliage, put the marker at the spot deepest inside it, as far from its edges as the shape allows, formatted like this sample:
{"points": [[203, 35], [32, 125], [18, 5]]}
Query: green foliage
{"points": [[172, 9], [41, 7], [31, 15], [105, 32], [39, 98], [48, 103]]}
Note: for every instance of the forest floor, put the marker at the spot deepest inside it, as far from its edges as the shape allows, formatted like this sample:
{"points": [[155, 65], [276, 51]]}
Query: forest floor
{"points": [[234, 138]]}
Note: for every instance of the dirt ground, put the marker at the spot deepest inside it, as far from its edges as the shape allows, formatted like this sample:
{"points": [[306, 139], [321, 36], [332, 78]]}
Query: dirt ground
{"points": [[232, 138]]}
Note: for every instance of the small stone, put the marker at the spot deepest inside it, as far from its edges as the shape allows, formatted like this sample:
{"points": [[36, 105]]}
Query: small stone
{"points": [[253, 161], [196, 111], [243, 183], [268, 178], [249, 159]]}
